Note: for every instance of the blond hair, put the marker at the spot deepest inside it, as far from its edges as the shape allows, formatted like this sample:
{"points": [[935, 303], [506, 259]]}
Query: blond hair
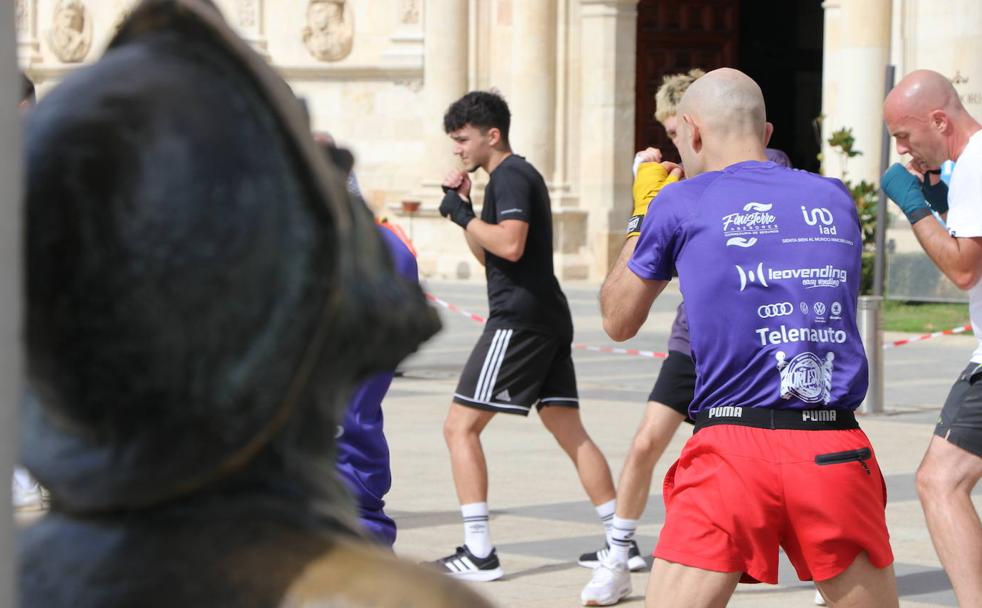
{"points": [[670, 93]]}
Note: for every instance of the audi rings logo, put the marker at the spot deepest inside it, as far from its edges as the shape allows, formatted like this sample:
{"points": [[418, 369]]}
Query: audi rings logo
{"points": [[770, 311]]}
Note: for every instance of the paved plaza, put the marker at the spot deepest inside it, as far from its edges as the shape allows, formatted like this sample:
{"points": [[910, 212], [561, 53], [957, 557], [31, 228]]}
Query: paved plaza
{"points": [[540, 518]]}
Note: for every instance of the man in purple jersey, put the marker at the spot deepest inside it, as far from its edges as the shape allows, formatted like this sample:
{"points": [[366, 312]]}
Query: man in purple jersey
{"points": [[668, 402], [768, 261]]}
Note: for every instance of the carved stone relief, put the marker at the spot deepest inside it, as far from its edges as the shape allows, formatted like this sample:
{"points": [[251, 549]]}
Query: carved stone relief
{"points": [[330, 30], [248, 13], [20, 17], [70, 36], [410, 12]]}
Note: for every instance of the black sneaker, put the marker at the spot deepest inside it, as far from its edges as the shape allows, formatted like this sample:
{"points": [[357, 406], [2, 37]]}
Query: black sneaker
{"points": [[634, 560], [465, 565]]}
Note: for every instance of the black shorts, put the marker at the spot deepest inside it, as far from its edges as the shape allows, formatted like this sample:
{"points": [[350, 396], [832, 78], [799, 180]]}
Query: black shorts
{"points": [[510, 370], [676, 383], [961, 417]]}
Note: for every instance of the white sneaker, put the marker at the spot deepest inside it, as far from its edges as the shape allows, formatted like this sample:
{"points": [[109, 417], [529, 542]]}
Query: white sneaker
{"points": [[610, 584], [819, 598]]}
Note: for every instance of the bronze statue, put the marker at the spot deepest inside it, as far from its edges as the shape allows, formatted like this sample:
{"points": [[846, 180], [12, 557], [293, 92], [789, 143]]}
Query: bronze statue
{"points": [[202, 294]]}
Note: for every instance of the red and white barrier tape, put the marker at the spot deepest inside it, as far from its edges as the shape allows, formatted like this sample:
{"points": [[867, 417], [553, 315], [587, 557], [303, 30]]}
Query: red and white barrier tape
{"points": [[648, 353], [612, 350], [937, 334]]}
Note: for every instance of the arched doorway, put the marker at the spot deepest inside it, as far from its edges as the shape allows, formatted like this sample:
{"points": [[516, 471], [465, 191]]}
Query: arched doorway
{"points": [[678, 35]]}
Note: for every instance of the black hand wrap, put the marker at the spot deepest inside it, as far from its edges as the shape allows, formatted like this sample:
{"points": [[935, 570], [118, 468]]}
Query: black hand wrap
{"points": [[457, 209], [937, 194]]}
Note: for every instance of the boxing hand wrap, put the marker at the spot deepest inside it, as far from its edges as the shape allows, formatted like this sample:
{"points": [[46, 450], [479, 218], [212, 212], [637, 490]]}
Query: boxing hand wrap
{"points": [[937, 194], [457, 209], [904, 190], [649, 181]]}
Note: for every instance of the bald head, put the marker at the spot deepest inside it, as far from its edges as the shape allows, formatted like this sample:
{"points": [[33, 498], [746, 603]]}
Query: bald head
{"points": [[927, 118], [726, 103], [721, 121], [922, 92]]}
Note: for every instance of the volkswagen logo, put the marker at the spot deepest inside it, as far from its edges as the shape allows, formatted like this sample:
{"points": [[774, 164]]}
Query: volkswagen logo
{"points": [[804, 308], [820, 309], [769, 311]]}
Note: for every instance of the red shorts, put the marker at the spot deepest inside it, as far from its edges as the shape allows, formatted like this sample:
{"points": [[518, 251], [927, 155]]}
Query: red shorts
{"points": [[738, 493]]}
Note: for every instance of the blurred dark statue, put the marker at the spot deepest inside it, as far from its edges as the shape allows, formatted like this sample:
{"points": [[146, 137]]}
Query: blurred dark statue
{"points": [[202, 295]]}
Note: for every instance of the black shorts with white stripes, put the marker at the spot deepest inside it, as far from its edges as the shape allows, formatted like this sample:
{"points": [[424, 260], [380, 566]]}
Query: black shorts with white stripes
{"points": [[510, 370]]}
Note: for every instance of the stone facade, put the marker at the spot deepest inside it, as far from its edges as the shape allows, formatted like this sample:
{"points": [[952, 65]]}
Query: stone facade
{"points": [[379, 74]]}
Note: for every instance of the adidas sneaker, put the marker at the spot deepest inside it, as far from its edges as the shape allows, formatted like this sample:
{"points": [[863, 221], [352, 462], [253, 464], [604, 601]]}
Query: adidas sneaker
{"points": [[634, 560], [465, 565]]}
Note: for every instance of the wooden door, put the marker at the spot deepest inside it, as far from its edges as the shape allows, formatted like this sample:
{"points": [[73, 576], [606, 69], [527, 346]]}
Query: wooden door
{"points": [[676, 36]]}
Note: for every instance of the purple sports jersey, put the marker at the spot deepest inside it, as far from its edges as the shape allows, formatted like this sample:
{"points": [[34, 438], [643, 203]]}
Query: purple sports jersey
{"points": [[768, 261]]}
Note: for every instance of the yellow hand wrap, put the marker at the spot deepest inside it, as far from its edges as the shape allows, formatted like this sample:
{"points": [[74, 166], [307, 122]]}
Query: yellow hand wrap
{"points": [[651, 178]]}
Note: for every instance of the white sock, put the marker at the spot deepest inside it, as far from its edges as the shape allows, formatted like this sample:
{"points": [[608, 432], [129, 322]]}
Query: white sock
{"points": [[606, 514], [621, 534], [477, 534]]}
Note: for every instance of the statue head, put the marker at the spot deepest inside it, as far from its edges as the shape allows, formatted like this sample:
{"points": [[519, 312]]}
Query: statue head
{"points": [[322, 14], [202, 292], [70, 15]]}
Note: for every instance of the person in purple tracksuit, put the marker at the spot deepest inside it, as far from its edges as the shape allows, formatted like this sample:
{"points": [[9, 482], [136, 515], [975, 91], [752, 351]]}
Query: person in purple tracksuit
{"points": [[363, 452]]}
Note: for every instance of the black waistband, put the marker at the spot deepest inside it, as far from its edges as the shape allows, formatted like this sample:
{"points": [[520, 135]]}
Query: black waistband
{"points": [[764, 418]]}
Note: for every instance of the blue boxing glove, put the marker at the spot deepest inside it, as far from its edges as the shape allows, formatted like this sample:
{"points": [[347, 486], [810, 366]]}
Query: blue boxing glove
{"points": [[904, 189], [936, 195]]}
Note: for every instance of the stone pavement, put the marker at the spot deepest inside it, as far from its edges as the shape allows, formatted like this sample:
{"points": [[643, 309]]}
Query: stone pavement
{"points": [[540, 518]]}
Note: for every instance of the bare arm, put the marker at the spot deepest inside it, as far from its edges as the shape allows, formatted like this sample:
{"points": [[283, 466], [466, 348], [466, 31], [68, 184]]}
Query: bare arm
{"points": [[475, 247], [626, 298], [960, 259], [505, 240]]}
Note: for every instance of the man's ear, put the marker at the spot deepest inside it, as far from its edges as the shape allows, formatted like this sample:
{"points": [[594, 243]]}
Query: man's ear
{"points": [[494, 136], [695, 133], [768, 131], [940, 121]]}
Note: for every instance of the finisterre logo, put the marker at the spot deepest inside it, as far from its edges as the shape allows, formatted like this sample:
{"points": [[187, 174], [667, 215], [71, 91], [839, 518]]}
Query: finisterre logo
{"points": [[770, 311], [742, 228], [739, 241]]}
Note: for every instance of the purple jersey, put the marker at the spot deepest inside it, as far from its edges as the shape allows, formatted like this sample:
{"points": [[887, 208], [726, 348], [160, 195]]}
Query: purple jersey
{"points": [[768, 261]]}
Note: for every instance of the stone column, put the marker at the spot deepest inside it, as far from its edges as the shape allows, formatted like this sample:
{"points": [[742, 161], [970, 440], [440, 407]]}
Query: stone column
{"points": [[532, 98], [251, 18], [857, 50], [406, 42], [947, 37], [607, 56], [10, 288], [444, 81], [26, 25]]}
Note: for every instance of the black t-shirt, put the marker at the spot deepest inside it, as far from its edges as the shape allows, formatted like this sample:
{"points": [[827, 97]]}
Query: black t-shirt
{"points": [[524, 294]]}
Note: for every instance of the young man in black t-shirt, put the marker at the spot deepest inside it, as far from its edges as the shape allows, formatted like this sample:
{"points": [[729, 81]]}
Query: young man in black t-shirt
{"points": [[523, 357]]}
